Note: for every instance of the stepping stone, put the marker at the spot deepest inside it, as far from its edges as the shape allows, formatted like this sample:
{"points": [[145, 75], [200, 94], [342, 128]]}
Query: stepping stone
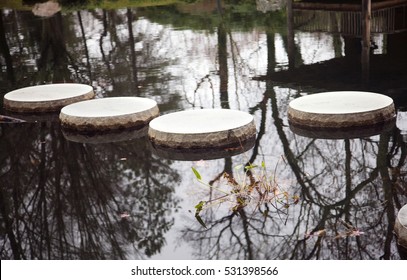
{"points": [[341, 109], [205, 128], [46, 98], [107, 114], [400, 227]]}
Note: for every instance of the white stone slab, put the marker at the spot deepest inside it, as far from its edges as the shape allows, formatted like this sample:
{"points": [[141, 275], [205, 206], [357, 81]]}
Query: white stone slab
{"points": [[400, 227], [202, 128], [110, 113], [46, 98], [341, 109]]}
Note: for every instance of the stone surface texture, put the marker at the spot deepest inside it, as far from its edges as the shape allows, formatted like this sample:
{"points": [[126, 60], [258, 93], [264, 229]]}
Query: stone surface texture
{"points": [[46, 98], [400, 227], [341, 109], [106, 114], [206, 128]]}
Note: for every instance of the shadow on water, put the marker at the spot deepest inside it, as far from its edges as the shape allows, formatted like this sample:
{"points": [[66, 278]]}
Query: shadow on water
{"points": [[119, 200]]}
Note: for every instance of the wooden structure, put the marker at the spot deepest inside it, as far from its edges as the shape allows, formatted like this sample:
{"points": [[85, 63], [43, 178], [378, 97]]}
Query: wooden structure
{"points": [[346, 18], [342, 73]]}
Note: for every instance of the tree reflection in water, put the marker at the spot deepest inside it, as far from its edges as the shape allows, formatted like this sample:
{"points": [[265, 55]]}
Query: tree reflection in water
{"points": [[66, 200], [350, 189], [346, 211]]}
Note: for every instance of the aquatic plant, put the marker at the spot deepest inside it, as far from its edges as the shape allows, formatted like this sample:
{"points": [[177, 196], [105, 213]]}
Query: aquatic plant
{"points": [[252, 185]]}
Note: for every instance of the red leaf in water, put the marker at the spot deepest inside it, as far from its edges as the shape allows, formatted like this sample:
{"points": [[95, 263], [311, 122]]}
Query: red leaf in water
{"points": [[318, 233], [356, 232], [124, 215]]}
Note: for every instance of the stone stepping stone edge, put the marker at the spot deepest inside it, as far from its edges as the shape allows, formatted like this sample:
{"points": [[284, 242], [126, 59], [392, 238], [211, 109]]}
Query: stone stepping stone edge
{"points": [[14, 102], [300, 116], [200, 137]]}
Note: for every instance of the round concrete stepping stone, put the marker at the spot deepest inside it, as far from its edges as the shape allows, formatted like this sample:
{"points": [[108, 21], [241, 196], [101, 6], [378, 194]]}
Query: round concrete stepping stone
{"points": [[400, 227], [205, 128], [340, 109], [46, 98], [105, 114]]}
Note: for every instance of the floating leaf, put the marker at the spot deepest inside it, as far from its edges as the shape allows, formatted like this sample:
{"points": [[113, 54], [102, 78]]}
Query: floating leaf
{"points": [[124, 215], [199, 219], [356, 232], [197, 175], [318, 233], [249, 167], [199, 208], [263, 164]]}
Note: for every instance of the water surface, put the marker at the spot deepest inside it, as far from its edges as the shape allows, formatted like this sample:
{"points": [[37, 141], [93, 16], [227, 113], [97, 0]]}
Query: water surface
{"points": [[108, 199]]}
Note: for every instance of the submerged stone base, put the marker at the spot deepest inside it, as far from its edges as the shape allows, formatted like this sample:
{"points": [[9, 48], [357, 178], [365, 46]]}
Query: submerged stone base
{"points": [[341, 109], [206, 128], [46, 98], [107, 137], [184, 154], [351, 132]]}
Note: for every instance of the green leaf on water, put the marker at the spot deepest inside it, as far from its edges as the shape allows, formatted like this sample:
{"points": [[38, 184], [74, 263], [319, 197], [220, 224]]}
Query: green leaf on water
{"points": [[199, 219], [197, 175], [199, 208], [249, 167], [263, 164]]}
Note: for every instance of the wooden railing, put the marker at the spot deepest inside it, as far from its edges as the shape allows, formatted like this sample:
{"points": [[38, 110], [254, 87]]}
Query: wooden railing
{"points": [[348, 22]]}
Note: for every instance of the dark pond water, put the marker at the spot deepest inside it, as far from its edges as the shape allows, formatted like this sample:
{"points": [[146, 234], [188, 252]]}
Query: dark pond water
{"points": [[105, 199]]}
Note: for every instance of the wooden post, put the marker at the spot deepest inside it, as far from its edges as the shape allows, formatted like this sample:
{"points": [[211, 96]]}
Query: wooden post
{"points": [[290, 35], [366, 20]]}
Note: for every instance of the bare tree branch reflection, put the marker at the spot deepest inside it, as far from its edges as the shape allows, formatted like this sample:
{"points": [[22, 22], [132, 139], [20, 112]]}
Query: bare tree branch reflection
{"points": [[347, 206], [85, 45], [65, 200], [5, 50]]}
